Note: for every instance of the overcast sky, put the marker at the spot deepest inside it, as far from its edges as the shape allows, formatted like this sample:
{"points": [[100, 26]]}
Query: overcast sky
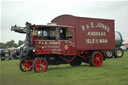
{"points": [[43, 11]]}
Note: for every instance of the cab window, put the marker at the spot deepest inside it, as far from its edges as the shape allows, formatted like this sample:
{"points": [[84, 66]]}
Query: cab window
{"points": [[47, 34], [54, 34], [65, 34]]}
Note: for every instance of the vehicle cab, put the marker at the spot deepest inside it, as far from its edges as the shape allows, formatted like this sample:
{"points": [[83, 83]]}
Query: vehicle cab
{"points": [[53, 39]]}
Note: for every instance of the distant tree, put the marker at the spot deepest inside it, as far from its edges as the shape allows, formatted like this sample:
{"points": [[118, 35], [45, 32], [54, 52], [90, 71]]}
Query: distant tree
{"points": [[20, 42], [2, 45], [11, 44]]}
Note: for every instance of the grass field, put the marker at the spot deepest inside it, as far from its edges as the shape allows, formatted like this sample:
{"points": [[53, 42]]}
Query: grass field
{"points": [[113, 72]]}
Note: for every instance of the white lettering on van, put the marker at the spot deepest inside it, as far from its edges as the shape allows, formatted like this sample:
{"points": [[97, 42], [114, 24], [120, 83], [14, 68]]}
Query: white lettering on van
{"points": [[95, 25], [96, 41]]}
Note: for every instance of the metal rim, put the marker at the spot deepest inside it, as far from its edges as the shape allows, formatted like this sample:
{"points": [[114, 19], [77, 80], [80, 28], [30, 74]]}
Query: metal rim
{"points": [[97, 59], [25, 65], [41, 65], [119, 52], [109, 53]]}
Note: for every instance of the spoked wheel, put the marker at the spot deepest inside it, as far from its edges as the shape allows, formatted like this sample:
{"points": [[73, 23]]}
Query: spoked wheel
{"points": [[40, 65], [96, 59], [25, 65]]}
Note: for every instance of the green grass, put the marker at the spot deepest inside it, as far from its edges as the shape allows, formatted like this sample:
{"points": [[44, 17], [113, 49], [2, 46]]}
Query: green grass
{"points": [[113, 72]]}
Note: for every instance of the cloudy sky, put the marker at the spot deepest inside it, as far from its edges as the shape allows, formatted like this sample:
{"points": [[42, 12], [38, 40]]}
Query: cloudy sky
{"points": [[43, 11]]}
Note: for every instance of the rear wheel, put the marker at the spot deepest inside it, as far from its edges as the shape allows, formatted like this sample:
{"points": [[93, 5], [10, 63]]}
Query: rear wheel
{"points": [[40, 65], [96, 59], [25, 65], [118, 52], [108, 53]]}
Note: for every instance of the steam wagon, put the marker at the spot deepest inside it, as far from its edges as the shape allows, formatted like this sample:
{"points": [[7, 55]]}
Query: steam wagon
{"points": [[66, 40]]}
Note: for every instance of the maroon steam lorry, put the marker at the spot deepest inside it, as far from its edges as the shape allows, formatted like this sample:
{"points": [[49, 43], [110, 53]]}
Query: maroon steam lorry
{"points": [[66, 40]]}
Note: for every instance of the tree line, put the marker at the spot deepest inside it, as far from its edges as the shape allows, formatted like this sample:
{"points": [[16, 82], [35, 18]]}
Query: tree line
{"points": [[11, 43]]}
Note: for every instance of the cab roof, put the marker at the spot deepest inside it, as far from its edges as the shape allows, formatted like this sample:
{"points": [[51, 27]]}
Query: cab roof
{"points": [[52, 26]]}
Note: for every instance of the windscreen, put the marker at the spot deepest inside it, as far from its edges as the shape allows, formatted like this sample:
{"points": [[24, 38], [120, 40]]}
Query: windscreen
{"points": [[54, 34], [47, 34]]}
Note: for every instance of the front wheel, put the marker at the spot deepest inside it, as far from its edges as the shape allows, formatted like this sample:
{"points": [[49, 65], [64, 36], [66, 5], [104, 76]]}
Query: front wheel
{"points": [[25, 65], [40, 65], [96, 59]]}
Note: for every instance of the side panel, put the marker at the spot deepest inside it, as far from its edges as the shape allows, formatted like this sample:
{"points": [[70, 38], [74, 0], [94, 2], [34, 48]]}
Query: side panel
{"points": [[62, 47], [90, 33], [95, 34]]}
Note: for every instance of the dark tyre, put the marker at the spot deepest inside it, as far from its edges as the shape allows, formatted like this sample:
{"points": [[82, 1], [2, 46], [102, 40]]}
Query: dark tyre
{"points": [[2, 59], [118, 52], [109, 53], [9, 58], [16, 58], [96, 59], [40, 65], [25, 65]]}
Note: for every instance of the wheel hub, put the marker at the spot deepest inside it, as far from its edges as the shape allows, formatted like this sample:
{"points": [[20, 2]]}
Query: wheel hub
{"points": [[119, 52], [97, 60], [40, 65], [109, 53]]}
